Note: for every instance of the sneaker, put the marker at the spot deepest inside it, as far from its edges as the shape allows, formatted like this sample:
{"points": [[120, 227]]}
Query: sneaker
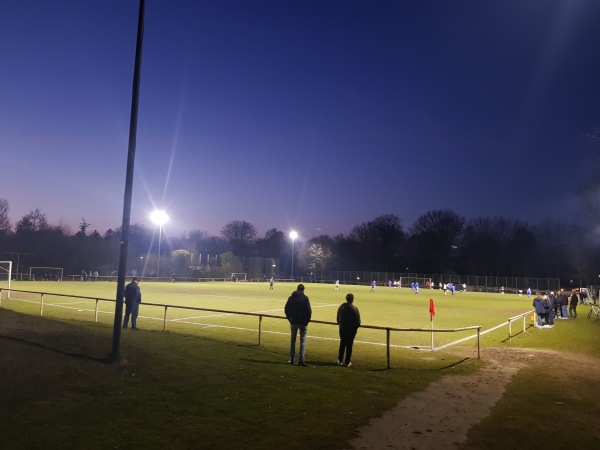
{"points": [[302, 363], [349, 364], [291, 361], [339, 363]]}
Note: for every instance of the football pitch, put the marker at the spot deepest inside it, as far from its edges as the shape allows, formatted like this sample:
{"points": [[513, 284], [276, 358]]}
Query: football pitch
{"points": [[186, 308]]}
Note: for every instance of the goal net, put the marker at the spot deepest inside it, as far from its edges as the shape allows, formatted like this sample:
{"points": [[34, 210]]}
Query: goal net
{"points": [[424, 283], [45, 273], [238, 277], [5, 273]]}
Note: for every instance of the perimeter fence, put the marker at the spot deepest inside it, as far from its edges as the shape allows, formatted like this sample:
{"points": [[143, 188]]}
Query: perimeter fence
{"points": [[480, 283]]}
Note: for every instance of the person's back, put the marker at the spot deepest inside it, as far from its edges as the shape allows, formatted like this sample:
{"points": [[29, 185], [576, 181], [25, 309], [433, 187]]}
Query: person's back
{"points": [[348, 316], [298, 312], [297, 308]]}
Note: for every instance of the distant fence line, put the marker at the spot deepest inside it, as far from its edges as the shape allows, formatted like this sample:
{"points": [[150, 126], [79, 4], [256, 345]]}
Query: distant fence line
{"points": [[474, 282], [482, 283]]}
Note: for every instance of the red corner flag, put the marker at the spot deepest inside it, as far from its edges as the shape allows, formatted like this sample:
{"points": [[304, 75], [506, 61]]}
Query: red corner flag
{"points": [[431, 307]]}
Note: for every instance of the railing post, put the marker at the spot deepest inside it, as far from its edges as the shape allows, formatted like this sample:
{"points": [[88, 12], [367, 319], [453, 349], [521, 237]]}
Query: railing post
{"points": [[478, 343], [42, 305], [509, 330], [387, 345], [165, 319], [260, 317], [97, 310], [524, 323]]}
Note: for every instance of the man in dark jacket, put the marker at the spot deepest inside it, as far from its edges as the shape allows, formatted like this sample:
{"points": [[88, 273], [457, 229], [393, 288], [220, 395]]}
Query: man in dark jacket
{"points": [[298, 312], [348, 317], [573, 305], [133, 298], [540, 310]]}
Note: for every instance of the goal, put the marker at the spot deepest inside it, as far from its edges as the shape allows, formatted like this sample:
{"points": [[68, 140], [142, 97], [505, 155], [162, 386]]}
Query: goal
{"points": [[238, 277], [407, 282], [5, 273], [45, 273]]}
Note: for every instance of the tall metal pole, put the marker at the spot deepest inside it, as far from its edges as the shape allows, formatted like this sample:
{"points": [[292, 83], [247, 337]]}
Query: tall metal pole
{"points": [[115, 355], [292, 260], [159, 239]]}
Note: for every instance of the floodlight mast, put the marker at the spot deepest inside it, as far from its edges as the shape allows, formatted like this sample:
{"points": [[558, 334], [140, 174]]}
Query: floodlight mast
{"points": [[293, 237], [159, 217], [115, 354]]}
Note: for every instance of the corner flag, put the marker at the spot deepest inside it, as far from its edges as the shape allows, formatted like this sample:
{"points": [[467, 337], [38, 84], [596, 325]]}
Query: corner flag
{"points": [[431, 307]]}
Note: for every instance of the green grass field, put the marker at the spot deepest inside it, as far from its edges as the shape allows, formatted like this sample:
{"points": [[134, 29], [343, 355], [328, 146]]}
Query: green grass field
{"points": [[386, 307], [206, 384]]}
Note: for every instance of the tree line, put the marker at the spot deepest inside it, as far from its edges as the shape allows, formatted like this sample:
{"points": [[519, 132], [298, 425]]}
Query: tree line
{"points": [[439, 241]]}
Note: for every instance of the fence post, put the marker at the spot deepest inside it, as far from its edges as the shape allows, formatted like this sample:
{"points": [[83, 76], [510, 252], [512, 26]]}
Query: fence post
{"points": [[478, 343], [387, 345], [524, 323], [97, 310], [260, 317], [42, 305], [165, 319], [509, 330]]}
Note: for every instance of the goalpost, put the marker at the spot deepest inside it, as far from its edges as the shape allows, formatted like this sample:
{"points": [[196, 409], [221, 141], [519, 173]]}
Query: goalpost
{"points": [[238, 276], [5, 273], [45, 273]]}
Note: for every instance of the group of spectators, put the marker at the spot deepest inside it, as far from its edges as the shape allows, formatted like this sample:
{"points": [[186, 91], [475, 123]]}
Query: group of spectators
{"points": [[549, 307]]}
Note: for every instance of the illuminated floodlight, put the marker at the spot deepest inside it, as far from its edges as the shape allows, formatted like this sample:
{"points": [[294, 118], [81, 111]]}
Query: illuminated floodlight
{"points": [[293, 237]]}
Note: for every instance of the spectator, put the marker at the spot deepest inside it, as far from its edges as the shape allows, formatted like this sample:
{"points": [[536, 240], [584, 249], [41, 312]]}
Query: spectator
{"points": [[298, 312], [348, 318], [133, 298], [540, 310], [573, 305]]}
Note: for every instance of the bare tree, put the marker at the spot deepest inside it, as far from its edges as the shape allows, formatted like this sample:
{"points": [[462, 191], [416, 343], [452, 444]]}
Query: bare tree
{"points": [[378, 243], [317, 257], [435, 236], [240, 235]]}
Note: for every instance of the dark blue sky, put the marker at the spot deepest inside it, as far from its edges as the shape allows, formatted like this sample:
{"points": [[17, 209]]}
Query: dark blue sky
{"points": [[312, 115]]}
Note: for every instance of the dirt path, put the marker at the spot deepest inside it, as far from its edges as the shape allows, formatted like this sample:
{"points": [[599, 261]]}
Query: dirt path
{"points": [[440, 416]]}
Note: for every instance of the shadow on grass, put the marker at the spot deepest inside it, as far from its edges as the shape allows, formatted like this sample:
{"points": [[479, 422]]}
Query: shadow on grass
{"points": [[105, 359]]}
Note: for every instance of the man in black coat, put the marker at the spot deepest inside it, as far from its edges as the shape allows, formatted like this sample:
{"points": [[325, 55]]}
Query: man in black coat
{"points": [[298, 312], [133, 298], [348, 317]]}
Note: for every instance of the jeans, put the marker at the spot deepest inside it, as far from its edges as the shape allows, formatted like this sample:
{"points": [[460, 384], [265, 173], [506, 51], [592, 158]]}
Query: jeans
{"points": [[303, 329], [563, 309], [540, 317], [346, 342], [131, 310], [573, 312]]}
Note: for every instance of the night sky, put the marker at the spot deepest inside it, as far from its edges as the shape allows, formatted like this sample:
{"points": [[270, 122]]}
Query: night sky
{"points": [[313, 115]]}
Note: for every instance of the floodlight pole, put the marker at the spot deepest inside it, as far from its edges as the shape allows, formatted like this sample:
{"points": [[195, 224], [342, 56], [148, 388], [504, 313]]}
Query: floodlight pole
{"points": [[124, 245], [293, 236]]}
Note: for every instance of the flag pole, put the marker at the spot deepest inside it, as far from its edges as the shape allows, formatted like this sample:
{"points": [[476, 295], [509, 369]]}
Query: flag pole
{"points": [[431, 321], [431, 314]]}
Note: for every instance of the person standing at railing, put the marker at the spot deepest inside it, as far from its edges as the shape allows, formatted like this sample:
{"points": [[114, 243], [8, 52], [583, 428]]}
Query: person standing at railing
{"points": [[573, 305], [348, 317], [298, 312], [133, 298], [540, 310]]}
